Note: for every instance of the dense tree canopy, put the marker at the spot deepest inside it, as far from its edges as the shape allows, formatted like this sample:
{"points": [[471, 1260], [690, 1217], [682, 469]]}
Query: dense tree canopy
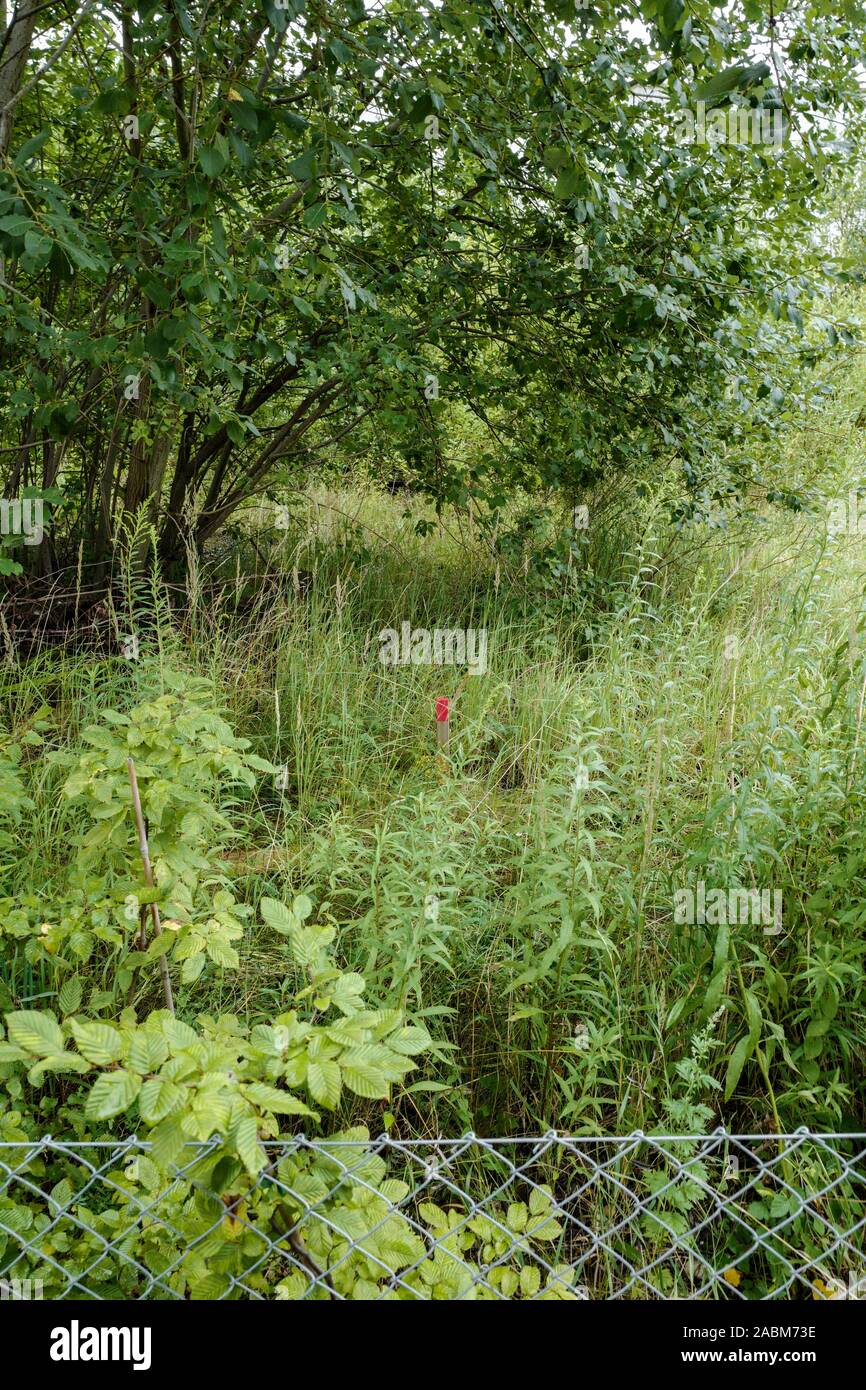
{"points": [[235, 236]]}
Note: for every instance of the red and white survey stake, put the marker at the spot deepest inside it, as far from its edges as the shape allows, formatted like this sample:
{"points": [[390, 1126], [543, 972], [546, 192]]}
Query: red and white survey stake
{"points": [[442, 725]]}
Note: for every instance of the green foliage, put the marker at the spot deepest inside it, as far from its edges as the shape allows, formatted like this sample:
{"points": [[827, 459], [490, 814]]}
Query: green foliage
{"points": [[459, 246], [185, 755], [223, 1079], [313, 1224], [297, 226], [13, 800]]}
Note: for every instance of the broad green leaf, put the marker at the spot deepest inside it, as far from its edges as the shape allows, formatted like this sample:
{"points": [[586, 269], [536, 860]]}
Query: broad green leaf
{"points": [[276, 1101], [159, 1098], [740, 1055], [38, 1033], [409, 1040], [147, 1052], [324, 1082], [70, 994], [179, 1035], [753, 1015], [246, 1141], [303, 167], [365, 1080], [211, 161], [31, 147], [192, 968], [98, 1042], [222, 953], [112, 1094], [168, 1141], [278, 916]]}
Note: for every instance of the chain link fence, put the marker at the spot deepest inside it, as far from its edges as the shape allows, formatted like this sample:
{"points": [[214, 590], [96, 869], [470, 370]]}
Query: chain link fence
{"points": [[717, 1216]]}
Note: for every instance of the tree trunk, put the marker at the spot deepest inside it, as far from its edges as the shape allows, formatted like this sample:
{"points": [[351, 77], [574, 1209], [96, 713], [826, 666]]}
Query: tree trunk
{"points": [[14, 51]]}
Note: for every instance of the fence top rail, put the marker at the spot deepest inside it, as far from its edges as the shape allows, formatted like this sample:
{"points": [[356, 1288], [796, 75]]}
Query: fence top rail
{"points": [[549, 1137]]}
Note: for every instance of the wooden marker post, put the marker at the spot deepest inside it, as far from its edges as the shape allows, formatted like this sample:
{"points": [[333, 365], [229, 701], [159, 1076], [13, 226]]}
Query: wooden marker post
{"points": [[442, 726]]}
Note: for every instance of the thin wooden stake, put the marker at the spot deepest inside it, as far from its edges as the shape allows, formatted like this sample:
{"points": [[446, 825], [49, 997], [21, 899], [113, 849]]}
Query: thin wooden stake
{"points": [[148, 878], [442, 725]]}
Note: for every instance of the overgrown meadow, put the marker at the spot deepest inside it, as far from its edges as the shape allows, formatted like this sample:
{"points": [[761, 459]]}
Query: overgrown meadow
{"points": [[350, 931], [659, 708], [432, 648]]}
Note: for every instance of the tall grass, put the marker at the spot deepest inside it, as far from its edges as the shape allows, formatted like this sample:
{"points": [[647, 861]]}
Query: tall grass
{"points": [[711, 682]]}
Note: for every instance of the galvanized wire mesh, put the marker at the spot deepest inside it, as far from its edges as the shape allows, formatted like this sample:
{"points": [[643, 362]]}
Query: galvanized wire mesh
{"points": [[636, 1217]]}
